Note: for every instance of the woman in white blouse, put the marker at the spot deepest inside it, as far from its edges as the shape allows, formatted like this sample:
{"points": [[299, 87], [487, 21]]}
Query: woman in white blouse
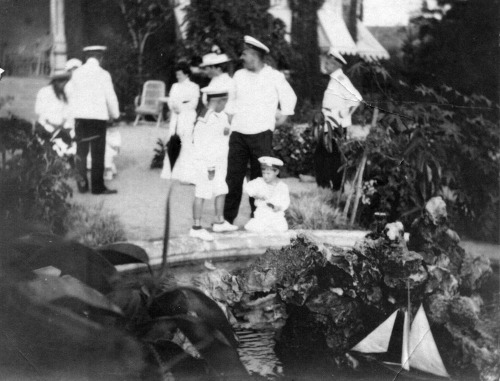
{"points": [[183, 100], [54, 122]]}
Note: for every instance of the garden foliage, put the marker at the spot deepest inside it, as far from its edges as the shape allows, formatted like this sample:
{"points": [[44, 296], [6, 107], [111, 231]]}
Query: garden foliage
{"points": [[33, 185], [73, 316], [430, 142]]}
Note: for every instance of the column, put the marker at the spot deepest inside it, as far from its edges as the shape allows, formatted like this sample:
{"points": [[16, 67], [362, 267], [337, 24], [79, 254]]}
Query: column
{"points": [[58, 56]]}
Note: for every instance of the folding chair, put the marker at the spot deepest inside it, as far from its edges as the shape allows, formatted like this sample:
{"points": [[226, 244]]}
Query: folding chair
{"points": [[148, 103]]}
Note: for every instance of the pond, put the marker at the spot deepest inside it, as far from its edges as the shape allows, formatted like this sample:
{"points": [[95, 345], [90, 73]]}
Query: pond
{"points": [[261, 357]]}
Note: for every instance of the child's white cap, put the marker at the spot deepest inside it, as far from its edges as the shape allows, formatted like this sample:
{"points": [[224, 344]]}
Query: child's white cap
{"points": [[215, 91], [270, 161]]}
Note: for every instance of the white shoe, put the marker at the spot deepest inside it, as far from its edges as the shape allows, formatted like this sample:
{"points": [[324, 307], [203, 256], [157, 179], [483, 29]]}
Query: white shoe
{"points": [[202, 234], [224, 227]]}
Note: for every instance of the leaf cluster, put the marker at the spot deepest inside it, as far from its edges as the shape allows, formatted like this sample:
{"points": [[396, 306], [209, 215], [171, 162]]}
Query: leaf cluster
{"points": [[428, 142], [73, 315]]}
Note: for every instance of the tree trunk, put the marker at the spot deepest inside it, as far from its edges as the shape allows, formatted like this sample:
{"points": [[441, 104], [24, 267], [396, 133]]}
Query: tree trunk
{"points": [[305, 41]]}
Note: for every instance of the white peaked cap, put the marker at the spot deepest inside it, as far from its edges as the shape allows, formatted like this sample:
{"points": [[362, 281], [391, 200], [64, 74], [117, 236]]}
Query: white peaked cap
{"points": [[270, 161], [335, 54], [73, 63], [255, 43], [211, 59], [95, 48], [215, 90]]}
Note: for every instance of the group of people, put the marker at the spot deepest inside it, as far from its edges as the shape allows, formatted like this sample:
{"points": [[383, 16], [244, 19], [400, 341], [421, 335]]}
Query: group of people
{"points": [[77, 106], [230, 136], [233, 131]]}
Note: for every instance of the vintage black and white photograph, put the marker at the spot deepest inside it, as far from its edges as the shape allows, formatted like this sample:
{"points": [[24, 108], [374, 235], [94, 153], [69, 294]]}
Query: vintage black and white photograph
{"points": [[267, 190]]}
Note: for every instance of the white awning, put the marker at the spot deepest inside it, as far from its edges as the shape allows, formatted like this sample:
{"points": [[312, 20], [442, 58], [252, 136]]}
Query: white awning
{"points": [[368, 46], [333, 32]]}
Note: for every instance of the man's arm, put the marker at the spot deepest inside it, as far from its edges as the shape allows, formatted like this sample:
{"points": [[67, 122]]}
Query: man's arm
{"points": [[286, 98], [111, 98]]}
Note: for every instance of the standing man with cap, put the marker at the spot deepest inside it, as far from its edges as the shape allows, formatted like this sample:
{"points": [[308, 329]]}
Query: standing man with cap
{"points": [[93, 102], [339, 102], [259, 90]]}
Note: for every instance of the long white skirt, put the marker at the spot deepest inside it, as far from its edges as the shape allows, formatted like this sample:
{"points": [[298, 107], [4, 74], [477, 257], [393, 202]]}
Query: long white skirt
{"points": [[184, 169]]}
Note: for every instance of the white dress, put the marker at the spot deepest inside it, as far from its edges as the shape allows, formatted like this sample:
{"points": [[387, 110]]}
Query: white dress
{"points": [[265, 218], [185, 96]]}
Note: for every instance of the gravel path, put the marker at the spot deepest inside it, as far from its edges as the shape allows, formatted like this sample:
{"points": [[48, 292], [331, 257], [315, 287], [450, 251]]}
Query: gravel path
{"points": [[140, 202]]}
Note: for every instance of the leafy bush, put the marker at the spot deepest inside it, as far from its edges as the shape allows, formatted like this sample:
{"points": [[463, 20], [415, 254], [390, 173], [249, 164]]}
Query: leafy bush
{"points": [[159, 156], [314, 210], [66, 306], [92, 227], [441, 142], [294, 145], [33, 185]]}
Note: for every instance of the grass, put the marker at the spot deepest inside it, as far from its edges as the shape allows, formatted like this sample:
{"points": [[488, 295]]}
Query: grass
{"points": [[93, 226], [314, 210]]}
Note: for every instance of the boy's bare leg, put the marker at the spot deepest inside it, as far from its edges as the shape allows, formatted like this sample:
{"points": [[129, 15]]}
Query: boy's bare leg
{"points": [[197, 210], [219, 207]]}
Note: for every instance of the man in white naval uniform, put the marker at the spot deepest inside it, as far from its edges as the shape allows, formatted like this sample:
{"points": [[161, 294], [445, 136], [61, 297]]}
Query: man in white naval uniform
{"points": [[260, 89], [93, 103], [339, 102]]}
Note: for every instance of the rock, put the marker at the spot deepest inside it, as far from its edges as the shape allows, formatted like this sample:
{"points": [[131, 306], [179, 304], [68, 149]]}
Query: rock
{"points": [[395, 231], [463, 311], [474, 272], [435, 210]]}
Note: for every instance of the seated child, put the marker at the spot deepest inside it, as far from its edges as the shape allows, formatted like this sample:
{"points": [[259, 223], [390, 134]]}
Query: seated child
{"points": [[211, 145], [271, 198]]}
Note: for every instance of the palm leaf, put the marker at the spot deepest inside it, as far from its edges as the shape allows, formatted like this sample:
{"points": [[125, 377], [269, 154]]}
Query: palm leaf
{"points": [[121, 253], [186, 300], [79, 261]]}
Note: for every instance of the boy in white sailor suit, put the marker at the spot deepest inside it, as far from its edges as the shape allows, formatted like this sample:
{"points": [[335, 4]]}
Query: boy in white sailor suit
{"points": [[211, 145], [340, 100], [272, 198]]}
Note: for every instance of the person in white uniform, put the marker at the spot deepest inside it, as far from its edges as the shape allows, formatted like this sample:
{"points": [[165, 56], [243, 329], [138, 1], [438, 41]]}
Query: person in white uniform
{"points": [[215, 66], [211, 139], [263, 99], [272, 198], [54, 124], [93, 104], [183, 100], [340, 100]]}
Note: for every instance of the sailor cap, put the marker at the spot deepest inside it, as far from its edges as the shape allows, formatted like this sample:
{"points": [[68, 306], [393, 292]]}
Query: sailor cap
{"points": [[73, 63], [270, 161], [255, 44], [215, 91], [335, 54], [212, 59], [95, 48]]}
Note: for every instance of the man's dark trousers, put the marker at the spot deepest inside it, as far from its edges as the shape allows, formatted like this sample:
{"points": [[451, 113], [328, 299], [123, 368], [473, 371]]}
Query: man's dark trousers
{"points": [[91, 134], [244, 148]]}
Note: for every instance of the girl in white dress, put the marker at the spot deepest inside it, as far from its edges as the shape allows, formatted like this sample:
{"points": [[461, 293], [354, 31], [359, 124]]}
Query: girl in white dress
{"points": [[183, 100]]}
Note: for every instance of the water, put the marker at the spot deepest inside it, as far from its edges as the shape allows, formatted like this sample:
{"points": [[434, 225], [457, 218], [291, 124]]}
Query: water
{"points": [[256, 352]]}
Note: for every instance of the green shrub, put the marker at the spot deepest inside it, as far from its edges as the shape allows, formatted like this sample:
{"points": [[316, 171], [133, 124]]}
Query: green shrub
{"points": [[294, 145], [92, 226], [314, 210], [33, 179]]}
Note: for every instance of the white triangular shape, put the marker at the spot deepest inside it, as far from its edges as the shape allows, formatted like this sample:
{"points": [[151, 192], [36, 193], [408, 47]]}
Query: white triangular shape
{"points": [[424, 354], [378, 340], [405, 364]]}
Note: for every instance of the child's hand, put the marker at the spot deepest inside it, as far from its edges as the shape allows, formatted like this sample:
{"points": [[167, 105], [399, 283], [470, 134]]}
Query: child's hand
{"points": [[211, 173]]}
